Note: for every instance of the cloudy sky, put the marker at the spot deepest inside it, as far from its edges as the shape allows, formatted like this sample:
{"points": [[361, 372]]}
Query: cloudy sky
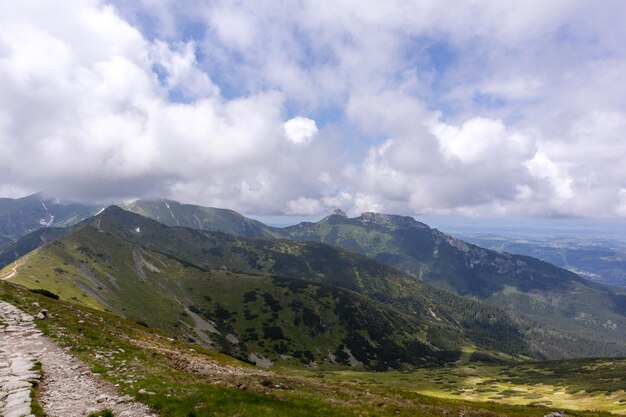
{"points": [[481, 108]]}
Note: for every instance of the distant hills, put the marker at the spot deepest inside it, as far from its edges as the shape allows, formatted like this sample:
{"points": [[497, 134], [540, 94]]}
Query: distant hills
{"points": [[553, 313], [21, 216], [173, 213], [596, 259], [13, 250]]}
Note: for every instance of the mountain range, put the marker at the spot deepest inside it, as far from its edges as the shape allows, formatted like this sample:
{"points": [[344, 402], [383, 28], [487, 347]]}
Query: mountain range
{"points": [[21, 216], [347, 290], [265, 300], [522, 285]]}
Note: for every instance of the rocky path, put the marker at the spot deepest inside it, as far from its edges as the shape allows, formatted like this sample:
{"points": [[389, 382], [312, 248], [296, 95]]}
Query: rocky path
{"points": [[6, 275], [67, 388], [10, 273]]}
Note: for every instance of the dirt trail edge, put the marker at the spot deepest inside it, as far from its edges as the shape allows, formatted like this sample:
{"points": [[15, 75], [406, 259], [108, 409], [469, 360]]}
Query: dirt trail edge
{"points": [[67, 389]]}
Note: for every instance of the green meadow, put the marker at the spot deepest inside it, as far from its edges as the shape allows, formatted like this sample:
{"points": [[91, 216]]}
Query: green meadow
{"points": [[184, 380]]}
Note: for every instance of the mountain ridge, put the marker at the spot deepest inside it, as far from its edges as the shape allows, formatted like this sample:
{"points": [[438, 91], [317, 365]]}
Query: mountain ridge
{"points": [[199, 217], [521, 285], [264, 299]]}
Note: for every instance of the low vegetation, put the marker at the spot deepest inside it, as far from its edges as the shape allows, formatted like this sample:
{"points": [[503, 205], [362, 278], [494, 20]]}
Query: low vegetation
{"points": [[525, 286], [596, 384], [179, 379], [45, 293], [563, 315]]}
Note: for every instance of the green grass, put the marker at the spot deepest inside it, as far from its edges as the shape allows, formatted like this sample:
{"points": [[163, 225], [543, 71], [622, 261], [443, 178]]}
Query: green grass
{"points": [[135, 358], [188, 380], [581, 384], [36, 408], [308, 303]]}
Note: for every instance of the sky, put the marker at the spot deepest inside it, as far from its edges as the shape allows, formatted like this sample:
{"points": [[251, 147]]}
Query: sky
{"points": [[490, 109]]}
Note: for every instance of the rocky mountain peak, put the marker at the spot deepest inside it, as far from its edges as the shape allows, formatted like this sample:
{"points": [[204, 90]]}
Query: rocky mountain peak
{"points": [[339, 212], [389, 220]]}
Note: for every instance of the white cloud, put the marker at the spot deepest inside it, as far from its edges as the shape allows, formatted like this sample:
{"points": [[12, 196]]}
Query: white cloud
{"points": [[303, 206], [480, 107], [543, 168], [182, 71], [300, 130], [476, 164], [481, 140], [235, 28], [84, 114]]}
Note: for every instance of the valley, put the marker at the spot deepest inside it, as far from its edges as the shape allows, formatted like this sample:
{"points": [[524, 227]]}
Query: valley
{"points": [[597, 259], [389, 314], [178, 379], [586, 384], [265, 300], [312, 208]]}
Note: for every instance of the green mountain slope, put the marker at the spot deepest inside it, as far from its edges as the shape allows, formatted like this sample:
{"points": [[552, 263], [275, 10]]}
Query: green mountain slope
{"points": [[520, 284], [458, 322], [265, 299], [523, 285], [22, 222], [173, 213], [310, 261], [19, 217], [12, 251], [187, 380]]}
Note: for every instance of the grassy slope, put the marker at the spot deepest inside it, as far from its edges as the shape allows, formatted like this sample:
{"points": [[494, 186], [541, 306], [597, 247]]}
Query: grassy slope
{"points": [[188, 259], [273, 317], [173, 213], [485, 325], [581, 384], [323, 263], [189, 381], [523, 285], [548, 295]]}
